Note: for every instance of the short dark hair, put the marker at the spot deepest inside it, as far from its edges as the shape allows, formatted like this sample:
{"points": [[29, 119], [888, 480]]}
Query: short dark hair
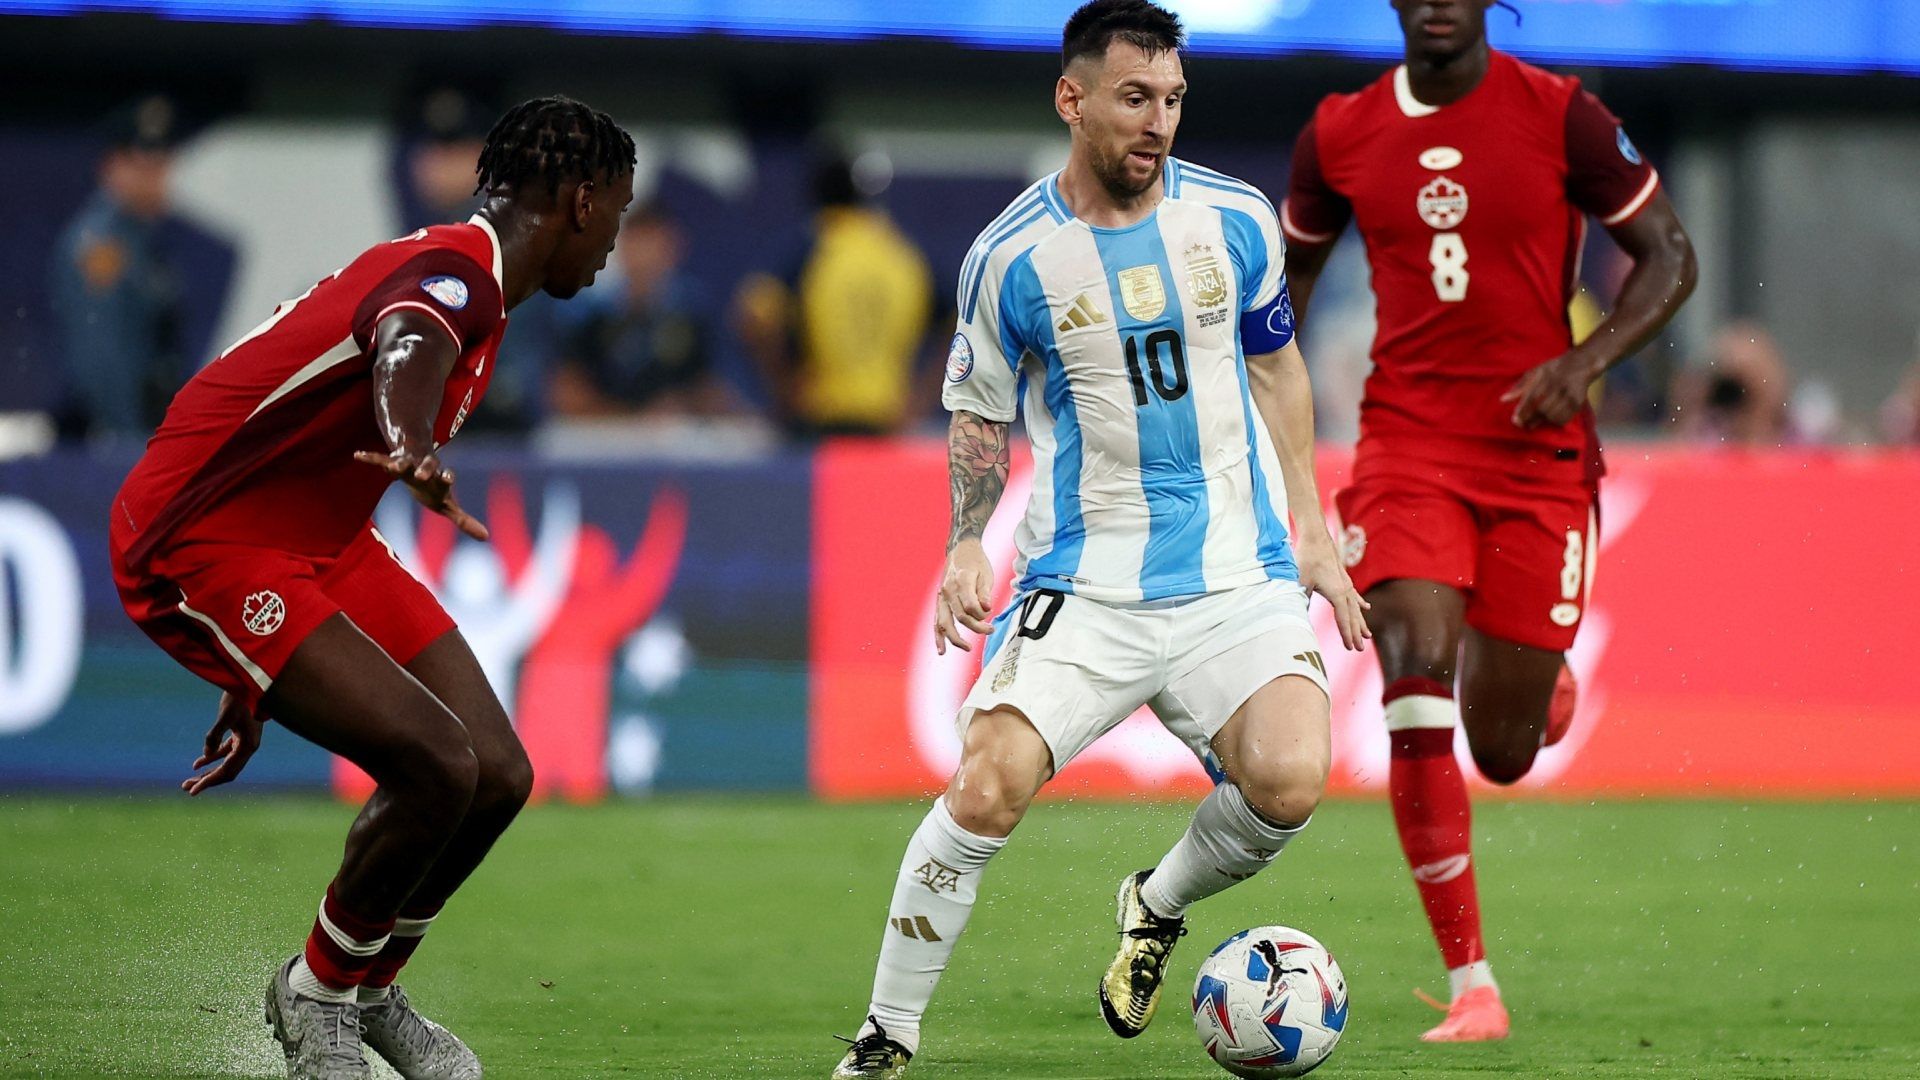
{"points": [[552, 139], [1137, 22]]}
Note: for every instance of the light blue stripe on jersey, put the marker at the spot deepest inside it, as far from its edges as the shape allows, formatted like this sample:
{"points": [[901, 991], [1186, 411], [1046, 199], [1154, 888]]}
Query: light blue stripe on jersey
{"points": [[1171, 473], [1244, 235], [1276, 551], [1003, 625], [1021, 214], [1024, 303]]}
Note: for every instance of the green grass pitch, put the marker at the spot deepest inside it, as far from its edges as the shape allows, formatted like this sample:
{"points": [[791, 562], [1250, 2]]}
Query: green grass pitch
{"points": [[718, 937]]}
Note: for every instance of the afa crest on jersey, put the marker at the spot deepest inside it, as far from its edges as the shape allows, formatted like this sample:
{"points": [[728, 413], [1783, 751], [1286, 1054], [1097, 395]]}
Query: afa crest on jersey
{"points": [[1205, 280], [450, 291]]}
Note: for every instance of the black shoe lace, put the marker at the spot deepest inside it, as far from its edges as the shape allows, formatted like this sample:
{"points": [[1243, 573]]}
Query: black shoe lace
{"points": [[1159, 938], [875, 1050]]}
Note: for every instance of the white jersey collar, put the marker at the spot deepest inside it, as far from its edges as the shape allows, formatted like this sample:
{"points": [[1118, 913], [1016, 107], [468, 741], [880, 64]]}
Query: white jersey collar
{"points": [[493, 238], [1412, 107]]}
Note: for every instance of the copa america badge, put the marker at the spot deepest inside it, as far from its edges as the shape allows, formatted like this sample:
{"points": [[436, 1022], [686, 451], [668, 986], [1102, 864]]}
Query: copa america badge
{"points": [[959, 359], [450, 291]]}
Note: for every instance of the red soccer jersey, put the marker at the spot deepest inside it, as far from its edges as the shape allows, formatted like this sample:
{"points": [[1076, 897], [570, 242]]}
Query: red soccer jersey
{"points": [[1474, 216], [258, 447]]}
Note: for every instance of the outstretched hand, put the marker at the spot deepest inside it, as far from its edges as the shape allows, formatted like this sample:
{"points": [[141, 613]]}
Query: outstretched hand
{"points": [[430, 482], [1321, 571], [230, 743]]}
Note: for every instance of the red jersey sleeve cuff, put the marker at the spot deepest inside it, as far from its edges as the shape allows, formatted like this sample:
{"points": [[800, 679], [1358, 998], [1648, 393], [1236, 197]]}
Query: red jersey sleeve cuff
{"points": [[1635, 204], [1296, 233], [418, 305]]}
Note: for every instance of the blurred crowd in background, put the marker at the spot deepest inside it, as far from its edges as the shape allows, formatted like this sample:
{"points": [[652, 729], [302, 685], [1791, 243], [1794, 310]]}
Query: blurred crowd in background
{"points": [[833, 324]]}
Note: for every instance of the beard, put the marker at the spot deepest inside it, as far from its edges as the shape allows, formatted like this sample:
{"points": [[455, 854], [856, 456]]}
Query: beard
{"points": [[1113, 175]]}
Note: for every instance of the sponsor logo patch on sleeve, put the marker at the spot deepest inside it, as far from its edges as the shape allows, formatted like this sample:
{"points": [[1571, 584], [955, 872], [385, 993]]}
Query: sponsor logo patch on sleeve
{"points": [[959, 359], [450, 291]]}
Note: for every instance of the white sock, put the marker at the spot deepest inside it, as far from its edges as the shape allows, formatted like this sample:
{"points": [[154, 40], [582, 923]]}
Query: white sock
{"points": [[1470, 977], [932, 899], [307, 984], [1227, 842], [402, 928]]}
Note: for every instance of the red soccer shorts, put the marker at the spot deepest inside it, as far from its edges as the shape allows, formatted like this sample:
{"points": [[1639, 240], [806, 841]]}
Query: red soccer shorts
{"points": [[1524, 557], [234, 614]]}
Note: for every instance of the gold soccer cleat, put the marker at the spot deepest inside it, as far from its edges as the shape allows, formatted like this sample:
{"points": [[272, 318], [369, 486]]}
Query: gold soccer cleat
{"points": [[1130, 990]]}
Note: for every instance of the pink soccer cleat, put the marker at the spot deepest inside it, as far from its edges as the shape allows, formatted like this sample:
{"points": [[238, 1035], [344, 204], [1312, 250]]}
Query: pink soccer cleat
{"points": [[1475, 1016], [1566, 695]]}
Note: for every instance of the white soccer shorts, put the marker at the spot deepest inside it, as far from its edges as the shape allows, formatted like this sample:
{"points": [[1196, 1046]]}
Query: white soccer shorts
{"points": [[1075, 668]]}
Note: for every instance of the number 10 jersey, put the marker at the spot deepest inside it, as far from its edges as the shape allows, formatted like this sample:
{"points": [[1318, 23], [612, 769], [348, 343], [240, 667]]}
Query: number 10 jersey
{"points": [[1154, 474]]}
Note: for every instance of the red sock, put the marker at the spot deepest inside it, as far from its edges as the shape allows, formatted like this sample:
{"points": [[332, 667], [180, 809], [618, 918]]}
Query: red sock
{"points": [[1435, 821], [407, 932], [342, 945]]}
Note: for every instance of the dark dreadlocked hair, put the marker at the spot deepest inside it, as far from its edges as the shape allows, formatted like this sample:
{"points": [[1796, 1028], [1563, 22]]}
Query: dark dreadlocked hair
{"points": [[1092, 28], [554, 139]]}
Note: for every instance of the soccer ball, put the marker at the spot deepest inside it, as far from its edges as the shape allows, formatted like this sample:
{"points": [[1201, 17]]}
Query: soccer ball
{"points": [[1270, 1002]]}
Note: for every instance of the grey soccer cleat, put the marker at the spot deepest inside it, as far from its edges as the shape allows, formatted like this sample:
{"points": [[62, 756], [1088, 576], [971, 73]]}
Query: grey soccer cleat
{"points": [[874, 1056], [416, 1047], [1130, 990], [321, 1039]]}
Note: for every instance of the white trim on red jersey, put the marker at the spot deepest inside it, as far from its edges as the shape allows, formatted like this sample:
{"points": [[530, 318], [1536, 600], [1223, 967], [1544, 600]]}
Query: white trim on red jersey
{"points": [[346, 350], [254, 671], [1294, 231], [1633, 206], [499, 266], [1412, 107], [423, 306]]}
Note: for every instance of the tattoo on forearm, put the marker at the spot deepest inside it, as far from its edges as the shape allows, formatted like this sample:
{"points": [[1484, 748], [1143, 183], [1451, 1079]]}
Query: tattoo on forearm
{"points": [[977, 461]]}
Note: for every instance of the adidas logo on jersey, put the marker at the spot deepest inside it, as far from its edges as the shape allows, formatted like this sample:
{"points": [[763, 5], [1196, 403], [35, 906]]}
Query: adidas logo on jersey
{"points": [[1081, 314]]}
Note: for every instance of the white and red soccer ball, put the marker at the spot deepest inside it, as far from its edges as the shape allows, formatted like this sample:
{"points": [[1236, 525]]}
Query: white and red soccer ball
{"points": [[1270, 1002]]}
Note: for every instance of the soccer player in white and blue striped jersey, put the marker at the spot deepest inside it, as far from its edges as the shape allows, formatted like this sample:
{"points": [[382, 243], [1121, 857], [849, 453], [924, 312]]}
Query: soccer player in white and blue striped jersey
{"points": [[1136, 307]]}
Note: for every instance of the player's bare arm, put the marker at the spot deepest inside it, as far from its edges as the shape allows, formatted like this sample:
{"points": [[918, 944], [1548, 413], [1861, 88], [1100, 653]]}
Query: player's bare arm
{"points": [[1663, 276], [1284, 397], [1304, 263], [977, 463], [413, 355]]}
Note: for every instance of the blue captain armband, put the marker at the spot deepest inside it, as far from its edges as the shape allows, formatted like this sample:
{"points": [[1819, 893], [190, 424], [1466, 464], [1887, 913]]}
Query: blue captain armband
{"points": [[1269, 328]]}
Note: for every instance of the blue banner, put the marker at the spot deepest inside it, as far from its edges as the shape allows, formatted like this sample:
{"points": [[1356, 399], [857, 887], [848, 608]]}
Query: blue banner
{"points": [[1836, 35], [646, 625]]}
